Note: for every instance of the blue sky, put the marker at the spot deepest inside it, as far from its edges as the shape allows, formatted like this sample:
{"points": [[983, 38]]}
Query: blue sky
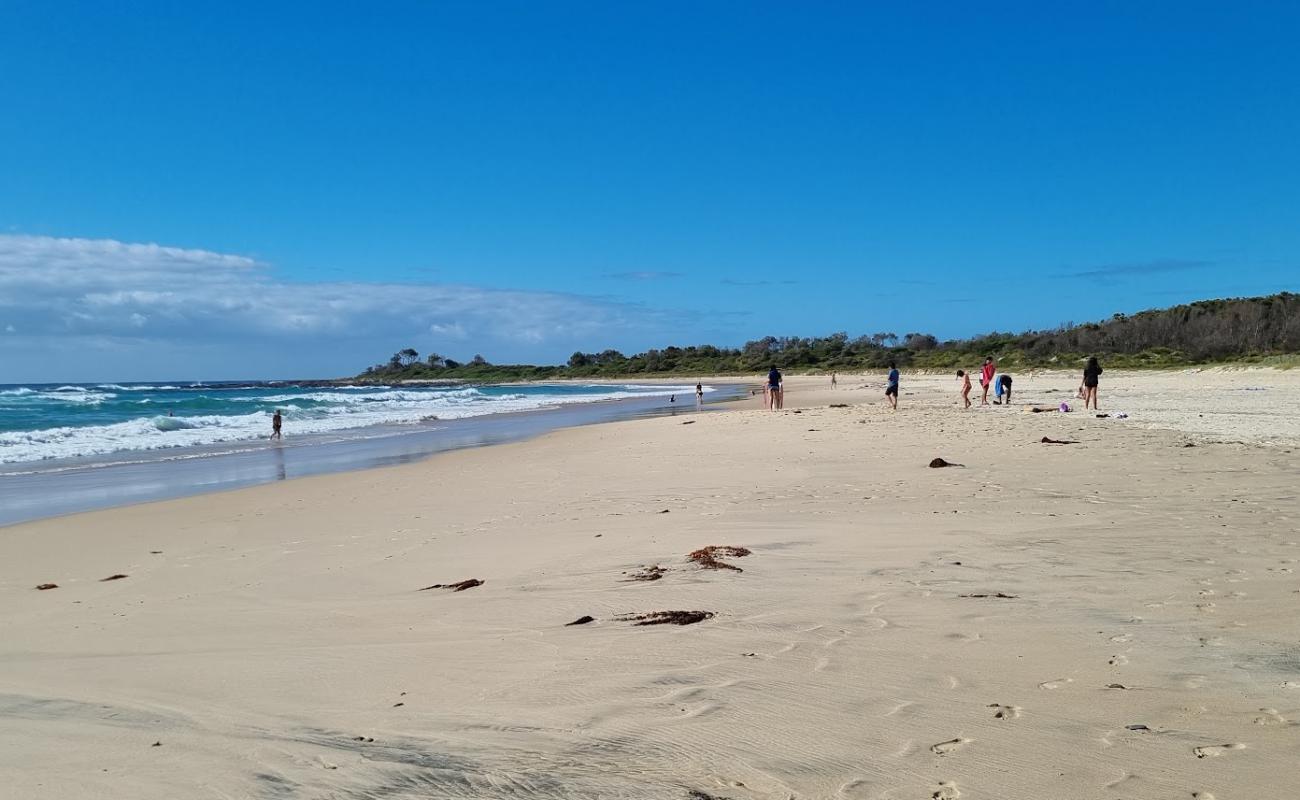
{"points": [[526, 179]]}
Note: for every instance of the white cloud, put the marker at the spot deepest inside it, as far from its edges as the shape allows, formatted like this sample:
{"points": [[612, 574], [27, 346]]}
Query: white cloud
{"points": [[209, 310], [449, 330]]}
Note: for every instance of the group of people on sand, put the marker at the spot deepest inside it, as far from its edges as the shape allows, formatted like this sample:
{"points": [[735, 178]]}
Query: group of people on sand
{"points": [[990, 379], [1001, 384]]}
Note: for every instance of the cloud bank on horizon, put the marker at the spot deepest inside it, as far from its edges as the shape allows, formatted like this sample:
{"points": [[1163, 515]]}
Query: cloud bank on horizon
{"points": [[99, 309]]}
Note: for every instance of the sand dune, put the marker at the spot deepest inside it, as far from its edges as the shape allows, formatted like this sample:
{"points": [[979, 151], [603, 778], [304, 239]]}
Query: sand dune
{"points": [[1115, 618]]}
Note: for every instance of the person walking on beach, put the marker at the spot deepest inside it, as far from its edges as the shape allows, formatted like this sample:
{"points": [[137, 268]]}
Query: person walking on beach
{"points": [[986, 378], [275, 425], [774, 381], [965, 386], [891, 388], [833, 380], [1091, 374]]}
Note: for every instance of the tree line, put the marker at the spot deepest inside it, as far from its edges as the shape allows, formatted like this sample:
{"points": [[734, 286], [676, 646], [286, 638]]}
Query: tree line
{"points": [[1239, 329]]}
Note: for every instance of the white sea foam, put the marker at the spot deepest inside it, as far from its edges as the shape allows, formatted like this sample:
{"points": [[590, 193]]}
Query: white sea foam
{"points": [[312, 412], [63, 395]]}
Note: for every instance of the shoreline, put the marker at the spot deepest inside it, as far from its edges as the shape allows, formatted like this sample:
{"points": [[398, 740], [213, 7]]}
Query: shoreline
{"points": [[45, 489]]}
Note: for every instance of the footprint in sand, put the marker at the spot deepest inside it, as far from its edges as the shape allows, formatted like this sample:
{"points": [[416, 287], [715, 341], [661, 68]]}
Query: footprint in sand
{"points": [[1205, 608], [944, 748], [1055, 684], [1210, 750], [1004, 712], [1118, 660], [1290, 685], [1270, 716], [1122, 638], [1202, 796], [947, 791], [903, 705]]}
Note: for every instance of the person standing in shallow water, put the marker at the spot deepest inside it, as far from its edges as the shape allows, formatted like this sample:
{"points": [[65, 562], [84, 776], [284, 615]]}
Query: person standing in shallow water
{"points": [[275, 425], [1091, 377], [699, 395]]}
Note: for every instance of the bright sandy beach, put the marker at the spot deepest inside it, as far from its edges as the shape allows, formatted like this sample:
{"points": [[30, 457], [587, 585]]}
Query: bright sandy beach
{"points": [[1114, 618]]}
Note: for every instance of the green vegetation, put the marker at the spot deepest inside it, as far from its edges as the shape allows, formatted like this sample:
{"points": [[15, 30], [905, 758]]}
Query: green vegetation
{"points": [[1261, 330]]}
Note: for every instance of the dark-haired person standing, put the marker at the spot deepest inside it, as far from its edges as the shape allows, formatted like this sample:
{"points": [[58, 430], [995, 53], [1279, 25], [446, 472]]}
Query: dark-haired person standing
{"points": [[986, 378], [1091, 376], [775, 393]]}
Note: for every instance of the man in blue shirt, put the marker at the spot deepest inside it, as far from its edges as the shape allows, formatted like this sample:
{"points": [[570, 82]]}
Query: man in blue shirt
{"points": [[891, 391]]}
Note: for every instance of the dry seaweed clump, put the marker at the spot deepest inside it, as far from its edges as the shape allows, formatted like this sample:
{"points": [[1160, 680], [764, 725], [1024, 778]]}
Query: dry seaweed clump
{"points": [[707, 557], [456, 587], [667, 617], [651, 573]]}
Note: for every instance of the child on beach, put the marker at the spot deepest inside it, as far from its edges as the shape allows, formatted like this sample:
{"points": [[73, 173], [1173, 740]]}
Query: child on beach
{"points": [[986, 378], [891, 389], [965, 386]]}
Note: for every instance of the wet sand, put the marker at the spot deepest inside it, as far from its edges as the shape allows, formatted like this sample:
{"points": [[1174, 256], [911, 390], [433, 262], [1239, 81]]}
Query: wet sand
{"points": [[1114, 618]]}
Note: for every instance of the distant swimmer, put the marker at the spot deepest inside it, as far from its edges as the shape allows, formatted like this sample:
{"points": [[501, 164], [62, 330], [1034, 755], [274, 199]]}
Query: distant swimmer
{"points": [[891, 388], [275, 425], [965, 386], [1003, 385], [774, 399], [986, 378], [1091, 376]]}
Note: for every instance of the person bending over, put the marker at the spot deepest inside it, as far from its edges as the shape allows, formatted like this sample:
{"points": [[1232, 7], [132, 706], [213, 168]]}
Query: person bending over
{"points": [[1004, 388]]}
